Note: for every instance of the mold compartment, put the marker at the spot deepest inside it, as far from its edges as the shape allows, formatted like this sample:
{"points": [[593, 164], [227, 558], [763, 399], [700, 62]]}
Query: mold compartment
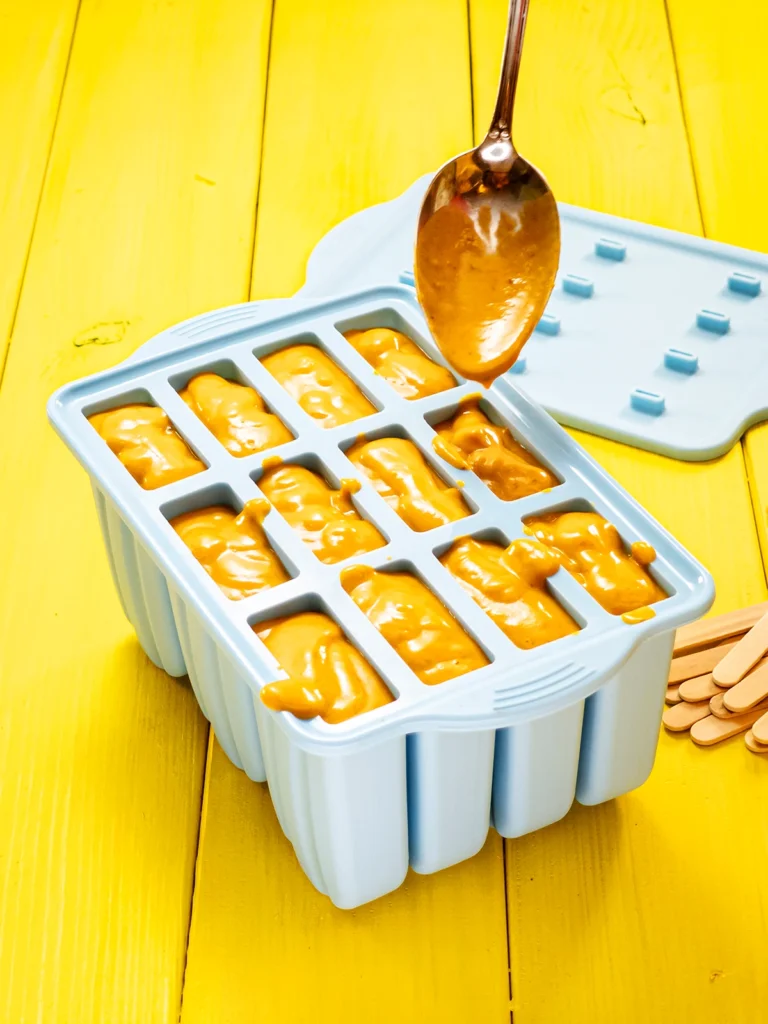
{"points": [[472, 435], [621, 577], [316, 381], [421, 629], [408, 479], [321, 510], [510, 583], [226, 537], [232, 409], [145, 440], [410, 366], [309, 645]]}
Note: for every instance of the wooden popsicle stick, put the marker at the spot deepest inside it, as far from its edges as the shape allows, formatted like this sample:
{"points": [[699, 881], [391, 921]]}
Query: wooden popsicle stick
{"points": [[709, 730], [673, 695], [750, 691], [720, 710], [753, 745], [720, 627], [682, 716], [699, 688], [689, 665], [760, 729], [744, 656]]}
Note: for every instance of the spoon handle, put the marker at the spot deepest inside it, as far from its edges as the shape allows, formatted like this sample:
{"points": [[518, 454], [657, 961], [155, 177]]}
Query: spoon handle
{"points": [[501, 125]]}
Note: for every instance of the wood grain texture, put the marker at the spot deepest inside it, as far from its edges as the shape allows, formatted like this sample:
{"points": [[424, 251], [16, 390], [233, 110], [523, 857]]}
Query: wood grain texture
{"points": [[266, 946], [358, 106], [592, 893], [723, 79], [35, 40], [597, 107], [146, 217]]}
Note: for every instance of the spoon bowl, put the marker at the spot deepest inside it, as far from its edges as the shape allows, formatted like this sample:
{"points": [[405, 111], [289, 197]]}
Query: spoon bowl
{"points": [[488, 241]]}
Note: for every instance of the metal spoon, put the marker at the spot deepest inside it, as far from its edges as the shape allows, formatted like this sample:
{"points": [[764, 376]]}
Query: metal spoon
{"points": [[488, 241]]}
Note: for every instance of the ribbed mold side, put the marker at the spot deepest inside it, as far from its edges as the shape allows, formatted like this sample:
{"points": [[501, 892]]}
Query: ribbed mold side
{"points": [[622, 722], [534, 772]]}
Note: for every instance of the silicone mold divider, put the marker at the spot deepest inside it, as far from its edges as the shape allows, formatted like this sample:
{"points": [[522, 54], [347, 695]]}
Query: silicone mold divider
{"points": [[651, 337], [420, 779]]}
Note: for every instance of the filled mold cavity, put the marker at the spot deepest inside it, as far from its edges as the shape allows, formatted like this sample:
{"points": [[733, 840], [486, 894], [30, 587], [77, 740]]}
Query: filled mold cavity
{"points": [[231, 408], [471, 435], [407, 479], [228, 540], [323, 513], [509, 582], [144, 439], [397, 353], [414, 622], [617, 575], [316, 382], [327, 675]]}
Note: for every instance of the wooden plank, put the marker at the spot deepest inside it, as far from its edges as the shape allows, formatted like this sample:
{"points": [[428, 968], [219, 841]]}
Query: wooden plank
{"points": [[146, 217], [266, 946], [358, 106], [352, 122], [723, 80], [598, 111], [34, 46], [723, 77], [600, 893]]}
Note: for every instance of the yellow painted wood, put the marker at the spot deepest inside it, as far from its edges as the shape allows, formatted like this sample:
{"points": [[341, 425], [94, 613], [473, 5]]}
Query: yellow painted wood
{"points": [[358, 107], [598, 902], [723, 77], [34, 45], [724, 82], [266, 946], [755, 445], [597, 108], [146, 217]]}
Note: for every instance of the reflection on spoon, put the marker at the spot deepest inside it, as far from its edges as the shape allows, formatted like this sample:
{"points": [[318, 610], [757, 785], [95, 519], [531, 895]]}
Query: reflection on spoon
{"points": [[486, 265]]}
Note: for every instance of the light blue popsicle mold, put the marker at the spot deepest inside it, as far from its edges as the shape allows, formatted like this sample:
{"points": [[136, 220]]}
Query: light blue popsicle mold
{"points": [[418, 781], [626, 295]]}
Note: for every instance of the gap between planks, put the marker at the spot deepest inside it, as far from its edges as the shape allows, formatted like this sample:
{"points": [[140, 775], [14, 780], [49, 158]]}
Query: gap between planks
{"points": [[204, 789], [754, 502], [6, 350]]}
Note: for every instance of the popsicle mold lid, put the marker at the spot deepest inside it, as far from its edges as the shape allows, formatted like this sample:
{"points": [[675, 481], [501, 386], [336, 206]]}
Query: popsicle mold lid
{"points": [[637, 310], [517, 685]]}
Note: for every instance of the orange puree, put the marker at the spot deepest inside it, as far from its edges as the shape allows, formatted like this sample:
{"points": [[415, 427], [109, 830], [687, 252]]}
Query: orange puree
{"points": [[590, 548], [484, 272], [325, 519], [509, 585], [410, 618], [401, 475], [320, 387], [233, 549], [327, 675], [235, 414], [471, 441], [401, 362], [142, 437]]}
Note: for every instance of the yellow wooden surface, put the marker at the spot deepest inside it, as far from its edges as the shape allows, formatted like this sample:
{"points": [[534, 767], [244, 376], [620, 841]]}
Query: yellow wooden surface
{"points": [[147, 216], [723, 80], [358, 123], [619, 897], [34, 47]]}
